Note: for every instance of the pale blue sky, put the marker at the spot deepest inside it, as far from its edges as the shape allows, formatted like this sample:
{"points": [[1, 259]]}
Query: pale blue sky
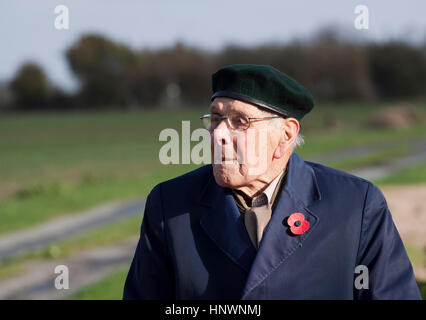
{"points": [[27, 26]]}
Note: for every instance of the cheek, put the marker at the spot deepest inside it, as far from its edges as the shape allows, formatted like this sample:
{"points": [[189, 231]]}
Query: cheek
{"points": [[255, 147], [240, 146]]}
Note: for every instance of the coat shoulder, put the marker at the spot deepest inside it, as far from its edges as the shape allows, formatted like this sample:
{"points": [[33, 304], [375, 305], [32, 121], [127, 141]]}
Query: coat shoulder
{"points": [[194, 177], [187, 183], [354, 189], [329, 173], [338, 181]]}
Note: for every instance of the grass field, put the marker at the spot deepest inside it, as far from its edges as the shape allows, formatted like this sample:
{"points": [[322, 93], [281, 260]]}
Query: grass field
{"points": [[411, 175], [102, 236], [57, 164], [110, 288]]}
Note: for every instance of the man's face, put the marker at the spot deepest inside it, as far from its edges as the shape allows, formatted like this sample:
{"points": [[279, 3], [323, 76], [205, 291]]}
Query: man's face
{"points": [[241, 156]]}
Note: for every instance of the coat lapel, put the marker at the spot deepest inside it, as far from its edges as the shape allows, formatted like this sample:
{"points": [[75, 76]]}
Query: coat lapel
{"points": [[225, 226], [278, 243]]}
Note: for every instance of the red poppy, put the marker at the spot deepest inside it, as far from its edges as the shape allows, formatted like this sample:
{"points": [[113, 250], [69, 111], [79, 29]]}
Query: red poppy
{"points": [[297, 223]]}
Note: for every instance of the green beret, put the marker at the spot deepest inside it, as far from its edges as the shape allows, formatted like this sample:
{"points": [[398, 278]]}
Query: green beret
{"points": [[263, 86]]}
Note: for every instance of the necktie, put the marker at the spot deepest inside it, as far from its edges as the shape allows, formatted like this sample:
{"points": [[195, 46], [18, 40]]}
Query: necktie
{"points": [[257, 217]]}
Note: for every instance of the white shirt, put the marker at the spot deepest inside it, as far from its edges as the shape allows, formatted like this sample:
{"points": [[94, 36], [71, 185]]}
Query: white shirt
{"points": [[269, 191]]}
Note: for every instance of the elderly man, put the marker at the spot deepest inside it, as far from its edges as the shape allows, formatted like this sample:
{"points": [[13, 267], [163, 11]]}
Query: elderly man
{"points": [[267, 225]]}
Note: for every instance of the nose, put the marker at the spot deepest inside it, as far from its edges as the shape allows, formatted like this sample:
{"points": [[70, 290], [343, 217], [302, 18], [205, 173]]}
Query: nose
{"points": [[222, 142], [222, 134]]}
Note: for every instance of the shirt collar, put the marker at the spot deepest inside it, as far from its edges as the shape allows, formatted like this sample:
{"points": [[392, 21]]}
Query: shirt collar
{"points": [[269, 191]]}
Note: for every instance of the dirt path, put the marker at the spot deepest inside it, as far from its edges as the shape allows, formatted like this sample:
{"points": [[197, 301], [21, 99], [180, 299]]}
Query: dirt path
{"points": [[84, 268], [408, 208], [68, 226], [381, 171], [417, 155]]}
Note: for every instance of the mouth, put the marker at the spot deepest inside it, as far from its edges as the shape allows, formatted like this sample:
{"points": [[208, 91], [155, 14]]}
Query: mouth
{"points": [[225, 162], [227, 159]]}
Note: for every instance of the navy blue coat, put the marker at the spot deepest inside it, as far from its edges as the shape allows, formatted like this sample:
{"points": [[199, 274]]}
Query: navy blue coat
{"points": [[194, 245]]}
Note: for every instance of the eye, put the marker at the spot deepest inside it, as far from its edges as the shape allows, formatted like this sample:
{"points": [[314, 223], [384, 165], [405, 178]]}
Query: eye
{"points": [[215, 119], [239, 121]]}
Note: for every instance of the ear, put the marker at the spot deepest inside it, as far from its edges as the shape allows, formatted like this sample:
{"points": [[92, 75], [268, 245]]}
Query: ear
{"points": [[281, 148], [289, 134]]}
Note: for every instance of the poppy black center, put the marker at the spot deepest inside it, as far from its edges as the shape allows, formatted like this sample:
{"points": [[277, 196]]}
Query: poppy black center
{"points": [[297, 223]]}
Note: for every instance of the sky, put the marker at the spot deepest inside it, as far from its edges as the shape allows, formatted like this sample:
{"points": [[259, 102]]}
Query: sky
{"points": [[27, 30]]}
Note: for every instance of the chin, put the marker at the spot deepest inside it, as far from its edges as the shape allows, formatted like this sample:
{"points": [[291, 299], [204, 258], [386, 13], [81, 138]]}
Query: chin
{"points": [[228, 176]]}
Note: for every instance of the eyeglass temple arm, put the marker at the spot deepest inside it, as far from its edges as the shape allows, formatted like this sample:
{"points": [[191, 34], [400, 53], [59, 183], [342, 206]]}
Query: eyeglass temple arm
{"points": [[272, 117]]}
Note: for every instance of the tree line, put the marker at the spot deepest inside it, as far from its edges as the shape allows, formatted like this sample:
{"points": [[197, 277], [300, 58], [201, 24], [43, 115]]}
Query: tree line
{"points": [[112, 75]]}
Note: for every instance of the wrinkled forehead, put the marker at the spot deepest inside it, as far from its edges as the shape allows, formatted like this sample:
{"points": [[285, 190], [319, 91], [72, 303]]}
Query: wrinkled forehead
{"points": [[227, 106]]}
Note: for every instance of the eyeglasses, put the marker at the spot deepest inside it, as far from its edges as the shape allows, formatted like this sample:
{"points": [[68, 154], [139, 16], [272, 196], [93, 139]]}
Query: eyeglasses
{"points": [[235, 122]]}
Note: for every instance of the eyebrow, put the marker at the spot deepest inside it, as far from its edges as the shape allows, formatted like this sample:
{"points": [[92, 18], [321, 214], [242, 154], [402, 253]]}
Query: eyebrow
{"points": [[214, 109]]}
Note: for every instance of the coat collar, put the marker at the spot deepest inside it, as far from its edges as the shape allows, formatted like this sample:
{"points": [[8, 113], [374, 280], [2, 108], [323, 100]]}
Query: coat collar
{"points": [[225, 226]]}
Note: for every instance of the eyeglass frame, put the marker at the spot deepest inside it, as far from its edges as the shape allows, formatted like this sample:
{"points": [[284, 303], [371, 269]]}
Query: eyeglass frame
{"points": [[223, 117]]}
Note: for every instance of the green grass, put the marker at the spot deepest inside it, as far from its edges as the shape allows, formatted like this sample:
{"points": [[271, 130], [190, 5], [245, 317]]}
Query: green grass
{"points": [[335, 117], [417, 255], [422, 287], [9, 269], [42, 202], [324, 142], [110, 234], [39, 148], [109, 288], [56, 164]]}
